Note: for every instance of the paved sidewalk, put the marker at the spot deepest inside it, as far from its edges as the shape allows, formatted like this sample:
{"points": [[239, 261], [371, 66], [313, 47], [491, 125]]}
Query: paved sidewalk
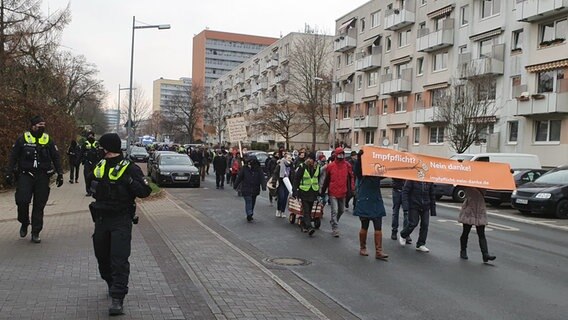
{"points": [[181, 268]]}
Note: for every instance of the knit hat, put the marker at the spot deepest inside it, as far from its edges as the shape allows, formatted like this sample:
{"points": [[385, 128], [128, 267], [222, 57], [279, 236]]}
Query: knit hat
{"points": [[311, 155], [111, 142], [35, 120]]}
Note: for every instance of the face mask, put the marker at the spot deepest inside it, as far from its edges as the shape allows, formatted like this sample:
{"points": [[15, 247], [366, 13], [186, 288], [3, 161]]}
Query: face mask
{"points": [[340, 157]]}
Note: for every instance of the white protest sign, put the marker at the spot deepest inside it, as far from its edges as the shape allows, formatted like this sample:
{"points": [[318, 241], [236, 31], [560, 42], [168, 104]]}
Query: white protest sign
{"points": [[237, 129]]}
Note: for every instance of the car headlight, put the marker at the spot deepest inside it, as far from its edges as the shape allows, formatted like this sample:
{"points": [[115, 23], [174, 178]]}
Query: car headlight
{"points": [[514, 193], [165, 173], [543, 195]]}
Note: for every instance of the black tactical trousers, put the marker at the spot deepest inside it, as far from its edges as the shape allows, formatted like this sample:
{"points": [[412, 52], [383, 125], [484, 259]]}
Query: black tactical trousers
{"points": [[87, 170], [111, 241], [36, 186]]}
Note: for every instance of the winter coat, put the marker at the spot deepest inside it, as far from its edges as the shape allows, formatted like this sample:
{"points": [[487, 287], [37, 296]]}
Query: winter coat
{"points": [[309, 195], [418, 195], [74, 154], [220, 164], [473, 208], [369, 199], [250, 180], [338, 179]]}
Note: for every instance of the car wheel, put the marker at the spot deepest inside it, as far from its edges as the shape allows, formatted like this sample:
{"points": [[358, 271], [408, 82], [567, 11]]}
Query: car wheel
{"points": [[562, 209], [495, 203], [459, 194]]}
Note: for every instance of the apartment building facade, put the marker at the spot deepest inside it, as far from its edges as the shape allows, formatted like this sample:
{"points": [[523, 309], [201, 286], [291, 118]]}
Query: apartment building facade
{"points": [[264, 80], [395, 59], [170, 91]]}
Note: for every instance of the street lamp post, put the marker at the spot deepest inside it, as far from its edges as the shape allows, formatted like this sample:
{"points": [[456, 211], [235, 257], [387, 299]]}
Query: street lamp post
{"points": [[332, 110], [118, 110], [134, 27]]}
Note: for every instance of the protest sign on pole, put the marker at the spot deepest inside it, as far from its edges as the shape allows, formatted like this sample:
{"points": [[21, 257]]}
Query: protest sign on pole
{"points": [[237, 128], [385, 162]]}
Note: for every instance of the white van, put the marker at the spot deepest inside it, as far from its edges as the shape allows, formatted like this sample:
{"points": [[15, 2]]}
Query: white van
{"points": [[515, 160]]}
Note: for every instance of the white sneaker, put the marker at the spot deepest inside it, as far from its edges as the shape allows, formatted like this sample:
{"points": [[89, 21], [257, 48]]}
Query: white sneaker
{"points": [[283, 215], [422, 249], [401, 240], [278, 214]]}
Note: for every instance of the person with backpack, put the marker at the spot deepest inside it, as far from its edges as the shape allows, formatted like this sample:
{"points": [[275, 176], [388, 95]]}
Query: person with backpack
{"points": [[250, 180]]}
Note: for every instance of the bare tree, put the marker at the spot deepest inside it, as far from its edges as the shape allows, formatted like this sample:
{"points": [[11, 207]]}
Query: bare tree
{"points": [[280, 119], [154, 124], [140, 109], [309, 62], [215, 115], [467, 108], [185, 110]]}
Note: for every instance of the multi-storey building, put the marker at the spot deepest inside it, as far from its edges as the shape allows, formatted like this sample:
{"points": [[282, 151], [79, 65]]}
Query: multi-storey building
{"points": [[265, 79], [112, 117], [167, 92], [394, 59]]}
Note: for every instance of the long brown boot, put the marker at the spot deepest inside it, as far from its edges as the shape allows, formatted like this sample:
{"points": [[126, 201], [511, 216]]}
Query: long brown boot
{"points": [[379, 254], [363, 242]]}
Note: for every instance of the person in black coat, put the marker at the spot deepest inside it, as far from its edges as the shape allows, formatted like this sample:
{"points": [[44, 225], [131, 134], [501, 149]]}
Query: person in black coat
{"points": [[419, 200], [74, 154], [250, 179], [220, 167]]}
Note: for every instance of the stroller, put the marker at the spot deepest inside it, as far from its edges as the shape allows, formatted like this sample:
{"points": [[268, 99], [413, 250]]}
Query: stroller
{"points": [[295, 208]]}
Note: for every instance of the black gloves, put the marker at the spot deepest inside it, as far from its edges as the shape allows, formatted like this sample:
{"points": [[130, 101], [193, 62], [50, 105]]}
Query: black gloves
{"points": [[9, 178], [59, 181]]}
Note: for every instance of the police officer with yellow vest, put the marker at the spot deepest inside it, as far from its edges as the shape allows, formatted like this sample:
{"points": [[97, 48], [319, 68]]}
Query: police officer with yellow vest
{"points": [[306, 187], [32, 162], [89, 157], [116, 183]]}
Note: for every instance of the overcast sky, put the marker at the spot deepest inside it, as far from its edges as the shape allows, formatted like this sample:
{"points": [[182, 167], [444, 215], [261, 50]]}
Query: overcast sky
{"points": [[101, 30]]}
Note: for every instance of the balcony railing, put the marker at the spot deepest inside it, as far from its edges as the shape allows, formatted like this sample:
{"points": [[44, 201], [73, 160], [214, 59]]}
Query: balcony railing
{"points": [[371, 61], [544, 103], [425, 115], [490, 64], [430, 41], [254, 71], [346, 123], [344, 97], [396, 86], [396, 19], [537, 10], [282, 77], [345, 42], [362, 122], [239, 79]]}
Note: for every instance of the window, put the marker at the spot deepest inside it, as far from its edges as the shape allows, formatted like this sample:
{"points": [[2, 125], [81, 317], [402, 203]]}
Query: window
{"points": [[388, 42], [362, 25], [400, 69], [547, 131], [486, 48], [515, 83], [517, 39], [416, 135], [349, 58], [462, 49], [397, 134], [346, 112], [487, 90], [373, 78], [359, 81], [436, 135], [490, 8], [439, 23], [400, 103], [512, 131], [371, 108], [438, 96], [420, 66], [338, 62], [553, 31], [369, 137], [376, 19], [484, 130], [550, 81], [422, 2], [440, 61], [403, 38], [422, 25], [356, 137], [385, 106], [464, 15]]}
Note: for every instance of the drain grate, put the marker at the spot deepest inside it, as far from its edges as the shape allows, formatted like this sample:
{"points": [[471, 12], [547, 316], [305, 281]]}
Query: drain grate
{"points": [[288, 262]]}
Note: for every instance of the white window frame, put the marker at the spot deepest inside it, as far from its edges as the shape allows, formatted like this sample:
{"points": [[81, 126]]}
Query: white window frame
{"points": [[370, 137], [444, 64], [416, 136], [375, 19], [400, 104], [362, 24], [372, 79], [517, 40], [404, 38], [555, 27], [510, 125], [464, 15], [359, 81], [385, 106], [397, 133], [495, 8], [419, 66], [388, 44], [439, 132], [346, 112], [548, 129]]}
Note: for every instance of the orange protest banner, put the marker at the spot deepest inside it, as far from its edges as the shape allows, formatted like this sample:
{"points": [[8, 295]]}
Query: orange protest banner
{"points": [[385, 162]]}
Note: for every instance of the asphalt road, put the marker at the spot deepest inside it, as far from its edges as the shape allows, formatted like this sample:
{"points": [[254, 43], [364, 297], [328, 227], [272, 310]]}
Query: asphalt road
{"points": [[527, 281]]}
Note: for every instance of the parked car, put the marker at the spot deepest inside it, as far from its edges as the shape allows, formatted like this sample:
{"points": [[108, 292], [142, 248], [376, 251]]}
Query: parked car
{"points": [[261, 156], [152, 159], [546, 195], [496, 197], [175, 169], [515, 161], [138, 154]]}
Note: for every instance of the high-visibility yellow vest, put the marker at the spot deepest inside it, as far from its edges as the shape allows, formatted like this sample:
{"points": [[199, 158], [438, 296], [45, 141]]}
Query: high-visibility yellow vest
{"points": [[90, 145], [310, 181], [43, 140], [113, 174]]}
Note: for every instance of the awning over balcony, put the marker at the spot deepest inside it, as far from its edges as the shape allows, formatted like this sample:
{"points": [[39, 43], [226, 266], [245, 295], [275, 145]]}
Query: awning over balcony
{"points": [[375, 40], [548, 66], [369, 98], [441, 12], [397, 125], [405, 59], [346, 77], [343, 130], [484, 119], [435, 86], [486, 34], [346, 25]]}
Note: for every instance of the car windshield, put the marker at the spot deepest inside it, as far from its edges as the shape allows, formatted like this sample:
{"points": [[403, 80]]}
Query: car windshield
{"points": [[261, 157], [176, 161], [461, 157], [138, 150], [554, 177]]}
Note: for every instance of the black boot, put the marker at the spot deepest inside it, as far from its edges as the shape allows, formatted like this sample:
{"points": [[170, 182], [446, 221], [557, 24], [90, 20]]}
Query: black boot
{"points": [[393, 235], [463, 247], [485, 251], [116, 307], [35, 238], [23, 230]]}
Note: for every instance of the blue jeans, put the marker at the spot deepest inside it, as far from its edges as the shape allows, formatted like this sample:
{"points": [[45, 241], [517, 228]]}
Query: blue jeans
{"points": [[282, 197], [250, 201], [337, 209], [396, 204], [414, 216]]}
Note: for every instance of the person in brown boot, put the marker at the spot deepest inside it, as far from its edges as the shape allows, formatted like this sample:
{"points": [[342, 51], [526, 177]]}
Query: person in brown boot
{"points": [[369, 207]]}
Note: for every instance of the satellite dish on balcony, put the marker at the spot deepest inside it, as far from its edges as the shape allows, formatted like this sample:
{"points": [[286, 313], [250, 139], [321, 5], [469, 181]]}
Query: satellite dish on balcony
{"points": [[386, 142], [396, 11]]}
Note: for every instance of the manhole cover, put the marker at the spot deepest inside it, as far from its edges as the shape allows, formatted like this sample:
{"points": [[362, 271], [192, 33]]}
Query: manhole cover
{"points": [[289, 262]]}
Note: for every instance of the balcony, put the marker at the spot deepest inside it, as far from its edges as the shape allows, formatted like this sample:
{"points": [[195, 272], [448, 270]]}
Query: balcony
{"points": [[227, 85], [254, 71], [537, 10], [544, 103], [396, 19], [366, 122], [489, 65], [424, 115], [282, 77], [399, 86], [240, 79], [344, 123], [344, 42], [343, 97], [430, 41], [245, 92], [271, 64], [232, 97], [263, 85], [372, 61]]}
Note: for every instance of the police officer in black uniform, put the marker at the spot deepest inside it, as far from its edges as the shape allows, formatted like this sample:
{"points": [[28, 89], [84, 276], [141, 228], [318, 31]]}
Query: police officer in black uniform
{"points": [[33, 157], [89, 157], [116, 183]]}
